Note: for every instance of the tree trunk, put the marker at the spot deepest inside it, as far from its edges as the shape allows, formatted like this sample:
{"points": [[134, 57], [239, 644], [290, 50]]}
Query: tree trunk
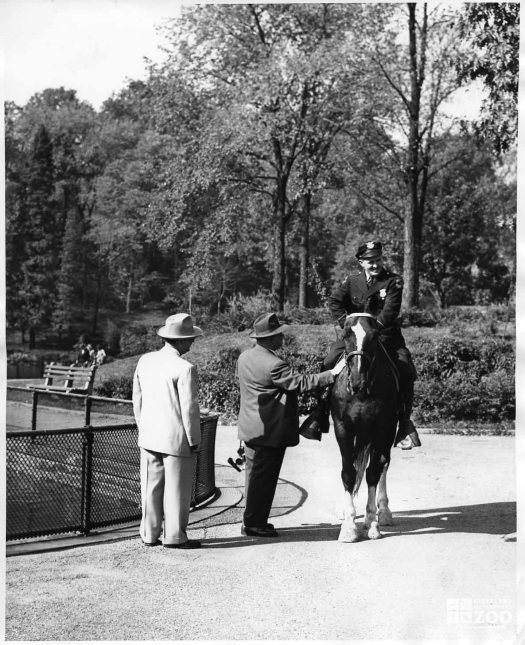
{"points": [[304, 253], [413, 219], [32, 343], [128, 292], [279, 282], [97, 302]]}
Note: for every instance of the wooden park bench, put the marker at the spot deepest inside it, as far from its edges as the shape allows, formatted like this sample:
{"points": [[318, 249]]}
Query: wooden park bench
{"points": [[70, 379]]}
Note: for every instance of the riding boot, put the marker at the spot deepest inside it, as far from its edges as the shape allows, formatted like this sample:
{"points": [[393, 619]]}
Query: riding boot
{"points": [[318, 422], [407, 436]]}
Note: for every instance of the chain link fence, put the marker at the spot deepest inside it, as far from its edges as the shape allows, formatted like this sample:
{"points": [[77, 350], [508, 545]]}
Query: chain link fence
{"points": [[79, 479]]}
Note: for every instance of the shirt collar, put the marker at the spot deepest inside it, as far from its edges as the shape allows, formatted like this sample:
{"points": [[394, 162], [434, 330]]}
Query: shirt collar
{"points": [[169, 348], [265, 349]]}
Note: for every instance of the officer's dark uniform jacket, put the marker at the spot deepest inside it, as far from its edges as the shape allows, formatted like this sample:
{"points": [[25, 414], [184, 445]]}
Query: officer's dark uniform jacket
{"points": [[382, 299]]}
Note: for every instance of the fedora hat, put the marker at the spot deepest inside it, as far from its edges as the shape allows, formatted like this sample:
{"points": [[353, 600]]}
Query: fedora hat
{"points": [[179, 326], [267, 325]]}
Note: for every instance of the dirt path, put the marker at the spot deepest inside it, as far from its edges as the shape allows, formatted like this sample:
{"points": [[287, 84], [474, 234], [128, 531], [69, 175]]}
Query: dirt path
{"points": [[444, 571]]}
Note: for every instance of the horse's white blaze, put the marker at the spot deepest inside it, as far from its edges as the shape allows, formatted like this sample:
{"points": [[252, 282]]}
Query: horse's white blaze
{"points": [[360, 333]]}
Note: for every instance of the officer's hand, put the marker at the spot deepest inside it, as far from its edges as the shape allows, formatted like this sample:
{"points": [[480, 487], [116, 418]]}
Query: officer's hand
{"points": [[339, 367]]}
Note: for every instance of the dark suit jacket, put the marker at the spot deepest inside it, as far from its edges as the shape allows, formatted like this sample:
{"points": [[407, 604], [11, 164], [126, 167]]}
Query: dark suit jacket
{"points": [[382, 299], [269, 413]]}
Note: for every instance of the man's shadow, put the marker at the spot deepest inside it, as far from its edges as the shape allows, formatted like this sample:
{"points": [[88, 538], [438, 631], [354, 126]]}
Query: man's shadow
{"points": [[496, 518]]}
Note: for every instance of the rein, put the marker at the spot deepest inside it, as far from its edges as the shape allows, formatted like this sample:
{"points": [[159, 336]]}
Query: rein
{"points": [[370, 382], [356, 353], [371, 360]]}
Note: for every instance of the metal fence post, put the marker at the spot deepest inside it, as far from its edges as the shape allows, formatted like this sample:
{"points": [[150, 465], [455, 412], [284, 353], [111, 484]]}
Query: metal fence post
{"points": [[33, 410], [87, 402], [87, 470]]}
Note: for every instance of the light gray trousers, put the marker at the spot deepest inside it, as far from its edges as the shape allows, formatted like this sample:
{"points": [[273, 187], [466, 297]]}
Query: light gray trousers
{"points": [[166, 486]]}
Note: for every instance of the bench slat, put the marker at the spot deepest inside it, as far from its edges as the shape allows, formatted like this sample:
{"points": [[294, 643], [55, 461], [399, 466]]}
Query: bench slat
{"points": [[71, 378], [69, 370]]}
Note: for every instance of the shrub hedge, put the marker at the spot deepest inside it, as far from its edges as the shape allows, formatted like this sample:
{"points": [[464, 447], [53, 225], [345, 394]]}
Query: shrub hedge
{"points": [[465, 376]]}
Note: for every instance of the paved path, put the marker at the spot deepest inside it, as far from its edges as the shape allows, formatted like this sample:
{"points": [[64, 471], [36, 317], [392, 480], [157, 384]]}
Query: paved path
{"points": [[444, 571]]}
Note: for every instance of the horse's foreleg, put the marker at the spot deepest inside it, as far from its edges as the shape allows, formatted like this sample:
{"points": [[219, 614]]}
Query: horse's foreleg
{"points": [[371, 521], [348, 531], [384, 514], [374, 473]]}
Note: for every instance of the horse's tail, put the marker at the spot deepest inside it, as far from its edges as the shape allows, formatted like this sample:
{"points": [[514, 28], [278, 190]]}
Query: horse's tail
{"points": [[361, 454]]}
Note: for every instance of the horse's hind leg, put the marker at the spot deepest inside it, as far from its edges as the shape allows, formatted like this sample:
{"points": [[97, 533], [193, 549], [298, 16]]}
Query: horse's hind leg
{"points": [[384, 514]]}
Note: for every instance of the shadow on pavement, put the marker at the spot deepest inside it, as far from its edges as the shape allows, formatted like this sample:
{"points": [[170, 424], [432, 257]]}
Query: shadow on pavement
{"points": [[308, 533], [495, 518], [498, 518]]}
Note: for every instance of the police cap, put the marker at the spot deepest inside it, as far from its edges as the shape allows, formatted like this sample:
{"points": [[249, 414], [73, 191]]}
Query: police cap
{"points": [[371, 249]]}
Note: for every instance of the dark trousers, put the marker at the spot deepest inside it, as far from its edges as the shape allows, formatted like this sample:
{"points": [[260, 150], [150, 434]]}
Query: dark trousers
{"points": [[262, 468]]}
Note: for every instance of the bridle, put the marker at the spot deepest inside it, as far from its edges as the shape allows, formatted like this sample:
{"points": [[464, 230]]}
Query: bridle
{"points": [[350, 355]]}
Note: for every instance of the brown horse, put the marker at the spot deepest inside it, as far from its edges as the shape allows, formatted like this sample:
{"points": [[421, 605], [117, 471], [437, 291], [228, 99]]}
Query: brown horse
{"points": [[364, 405]]}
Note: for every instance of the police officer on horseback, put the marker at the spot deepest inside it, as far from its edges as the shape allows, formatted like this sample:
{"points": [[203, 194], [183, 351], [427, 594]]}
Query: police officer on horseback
{"points": [[378, 291]]}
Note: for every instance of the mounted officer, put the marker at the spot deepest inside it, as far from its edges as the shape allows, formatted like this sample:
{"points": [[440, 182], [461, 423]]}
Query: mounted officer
{"points": [[378, 291]]}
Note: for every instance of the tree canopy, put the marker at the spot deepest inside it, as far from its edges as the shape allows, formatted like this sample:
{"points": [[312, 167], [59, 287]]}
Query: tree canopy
{"points": [[267, 145]]}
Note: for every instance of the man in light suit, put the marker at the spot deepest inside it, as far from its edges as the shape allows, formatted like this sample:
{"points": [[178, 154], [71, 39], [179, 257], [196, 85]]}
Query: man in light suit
{"points": [[168, 418], [268, 418]]}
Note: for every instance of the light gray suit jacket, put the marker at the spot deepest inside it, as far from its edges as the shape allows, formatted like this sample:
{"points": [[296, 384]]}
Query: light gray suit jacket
{"points": [[165, 403], [269, 414]]}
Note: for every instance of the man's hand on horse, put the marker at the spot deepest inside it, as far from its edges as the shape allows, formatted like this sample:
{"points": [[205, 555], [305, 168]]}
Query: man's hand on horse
{"points": [[338, 367]]}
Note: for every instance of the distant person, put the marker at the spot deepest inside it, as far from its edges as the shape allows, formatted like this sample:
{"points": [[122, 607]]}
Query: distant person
{"points": [[91, 354], [168, 418], [101, 355], [268, 418], [83, 355], [378, 291]]}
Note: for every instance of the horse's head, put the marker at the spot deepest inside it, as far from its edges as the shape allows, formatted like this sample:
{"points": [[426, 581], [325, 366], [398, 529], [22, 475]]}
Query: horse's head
{"points": [[360, 335]]}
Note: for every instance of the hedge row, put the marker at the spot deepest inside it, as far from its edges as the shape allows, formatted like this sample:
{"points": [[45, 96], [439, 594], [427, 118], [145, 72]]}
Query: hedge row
{"points": [[460, 379]]}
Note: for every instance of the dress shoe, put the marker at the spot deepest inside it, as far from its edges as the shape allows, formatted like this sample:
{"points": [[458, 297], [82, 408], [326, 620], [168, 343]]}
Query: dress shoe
{"points": [[156, 543], [189, 544], [268, 531]]}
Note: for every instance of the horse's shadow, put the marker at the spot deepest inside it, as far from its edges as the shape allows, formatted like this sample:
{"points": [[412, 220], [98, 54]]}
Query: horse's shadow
{"points": [[496, 518]]}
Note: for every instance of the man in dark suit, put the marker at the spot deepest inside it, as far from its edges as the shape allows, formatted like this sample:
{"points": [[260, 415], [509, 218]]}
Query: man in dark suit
{"points": [[378, 291], [268, 418]]}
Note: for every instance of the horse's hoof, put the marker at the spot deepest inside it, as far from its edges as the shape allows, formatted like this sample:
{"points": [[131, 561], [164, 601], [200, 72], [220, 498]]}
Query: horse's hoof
{"points": [[348, 534], [385, 518], [374, 533]]}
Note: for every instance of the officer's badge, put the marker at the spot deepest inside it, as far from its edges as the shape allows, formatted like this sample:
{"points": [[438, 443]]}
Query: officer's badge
{"points": [[370, 245], [382, 293]]}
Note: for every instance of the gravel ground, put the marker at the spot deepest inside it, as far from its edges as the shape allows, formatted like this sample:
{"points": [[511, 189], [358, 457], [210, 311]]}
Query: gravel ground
{"points": [[444, 571]]}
